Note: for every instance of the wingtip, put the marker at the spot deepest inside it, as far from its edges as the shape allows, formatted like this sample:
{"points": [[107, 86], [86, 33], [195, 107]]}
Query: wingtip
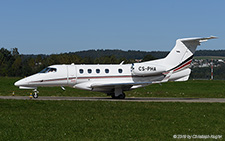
{"points": [[213, 37]]}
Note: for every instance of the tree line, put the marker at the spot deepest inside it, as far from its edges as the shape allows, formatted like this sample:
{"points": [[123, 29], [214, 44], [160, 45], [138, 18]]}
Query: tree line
{"points": [[12, 63], [133, 54]]}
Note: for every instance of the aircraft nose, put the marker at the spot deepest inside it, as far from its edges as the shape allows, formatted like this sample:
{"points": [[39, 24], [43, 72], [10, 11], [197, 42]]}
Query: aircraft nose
{"points": [[20, 83]]}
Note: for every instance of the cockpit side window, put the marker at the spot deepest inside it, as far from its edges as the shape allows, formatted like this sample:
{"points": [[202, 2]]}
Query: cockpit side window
{"points": [[52, 70], [47, 70]]}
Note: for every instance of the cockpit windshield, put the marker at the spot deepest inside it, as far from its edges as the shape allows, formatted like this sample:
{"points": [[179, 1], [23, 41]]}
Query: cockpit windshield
{"points": [[47, 70]]}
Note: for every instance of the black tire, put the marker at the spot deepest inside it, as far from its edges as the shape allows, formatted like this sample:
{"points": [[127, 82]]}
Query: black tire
{"points": [[113, 96], [122, 96], [35, 96]]}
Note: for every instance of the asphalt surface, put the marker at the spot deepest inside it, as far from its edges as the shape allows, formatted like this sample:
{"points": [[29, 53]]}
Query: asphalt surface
{"points": [[129, 99]]}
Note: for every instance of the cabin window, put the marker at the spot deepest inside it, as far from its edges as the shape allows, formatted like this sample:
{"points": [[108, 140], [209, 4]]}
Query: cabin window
{"points": [[81, 71], [106, 70], [97, 70], [89, 71], [48, 69], [120, 70]]}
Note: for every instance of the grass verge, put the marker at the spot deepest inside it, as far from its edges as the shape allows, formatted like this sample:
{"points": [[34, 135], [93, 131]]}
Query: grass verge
{"points": [[191, 88], [85, 120]]}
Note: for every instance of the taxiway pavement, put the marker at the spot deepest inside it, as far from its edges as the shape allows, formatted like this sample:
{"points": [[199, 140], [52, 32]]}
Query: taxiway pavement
{"points": [[128, 99]]}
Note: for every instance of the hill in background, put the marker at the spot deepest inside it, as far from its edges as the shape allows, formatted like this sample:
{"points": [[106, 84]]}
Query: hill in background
{"points": [[132, 54]]}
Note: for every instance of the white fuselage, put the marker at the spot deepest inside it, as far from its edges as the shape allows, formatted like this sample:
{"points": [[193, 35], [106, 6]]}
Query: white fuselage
{"points": [[74, 75]]}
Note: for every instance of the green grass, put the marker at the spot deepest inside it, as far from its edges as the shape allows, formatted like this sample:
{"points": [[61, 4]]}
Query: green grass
{"points": [[85, 120], [191, 88]]}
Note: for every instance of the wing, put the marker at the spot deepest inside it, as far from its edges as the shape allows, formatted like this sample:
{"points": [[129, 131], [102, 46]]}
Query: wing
{"points": [[96, 85], [107, 86]]}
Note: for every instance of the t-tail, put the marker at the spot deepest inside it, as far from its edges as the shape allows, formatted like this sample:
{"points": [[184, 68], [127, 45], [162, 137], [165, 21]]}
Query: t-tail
{"points": [[180, 58], [183, 52], [177, 62]]}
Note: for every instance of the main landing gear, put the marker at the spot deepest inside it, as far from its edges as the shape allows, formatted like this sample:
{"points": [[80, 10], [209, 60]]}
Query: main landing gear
{"points": [[121, 96], [118, 94], [35, 95]]}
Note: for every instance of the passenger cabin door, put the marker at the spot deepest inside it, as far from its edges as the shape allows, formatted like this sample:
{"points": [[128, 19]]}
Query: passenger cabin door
{"points": [[71, 75]]}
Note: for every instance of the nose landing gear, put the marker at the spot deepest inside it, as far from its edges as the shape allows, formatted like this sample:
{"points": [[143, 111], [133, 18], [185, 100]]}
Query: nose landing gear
{"points": [[35, 95]]}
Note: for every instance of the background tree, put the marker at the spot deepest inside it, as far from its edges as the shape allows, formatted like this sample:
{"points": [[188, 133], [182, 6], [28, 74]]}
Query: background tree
{"points": [[148, 57]]}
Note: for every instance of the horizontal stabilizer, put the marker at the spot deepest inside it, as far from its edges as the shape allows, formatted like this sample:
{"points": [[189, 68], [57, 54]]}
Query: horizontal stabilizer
{"points": [[200, 39]]}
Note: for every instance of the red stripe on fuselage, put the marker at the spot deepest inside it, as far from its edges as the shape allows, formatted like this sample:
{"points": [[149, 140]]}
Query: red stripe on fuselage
{"points": [[188, 63], [90, 77]]}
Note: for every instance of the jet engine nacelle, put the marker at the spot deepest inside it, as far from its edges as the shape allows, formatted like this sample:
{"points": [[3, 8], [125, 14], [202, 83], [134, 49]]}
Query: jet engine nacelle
{"points": [[143, 69]]}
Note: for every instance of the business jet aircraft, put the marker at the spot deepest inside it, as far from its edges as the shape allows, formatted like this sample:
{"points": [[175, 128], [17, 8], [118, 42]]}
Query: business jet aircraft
{"points": [[115, 79]]}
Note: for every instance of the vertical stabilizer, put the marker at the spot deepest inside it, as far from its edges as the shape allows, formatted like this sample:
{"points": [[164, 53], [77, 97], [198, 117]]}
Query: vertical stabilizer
{"points": [[182, 53]]}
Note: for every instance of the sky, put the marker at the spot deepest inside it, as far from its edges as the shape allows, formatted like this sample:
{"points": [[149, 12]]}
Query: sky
{"points": [[60, 26]]}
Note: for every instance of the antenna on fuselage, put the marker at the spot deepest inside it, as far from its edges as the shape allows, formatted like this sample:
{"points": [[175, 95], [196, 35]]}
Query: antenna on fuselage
{"points": [[122, 63]]}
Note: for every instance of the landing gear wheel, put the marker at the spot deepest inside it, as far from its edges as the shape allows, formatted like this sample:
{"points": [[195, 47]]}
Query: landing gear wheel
{"points": [[122, 96], [35, 95], [113, 96]]}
